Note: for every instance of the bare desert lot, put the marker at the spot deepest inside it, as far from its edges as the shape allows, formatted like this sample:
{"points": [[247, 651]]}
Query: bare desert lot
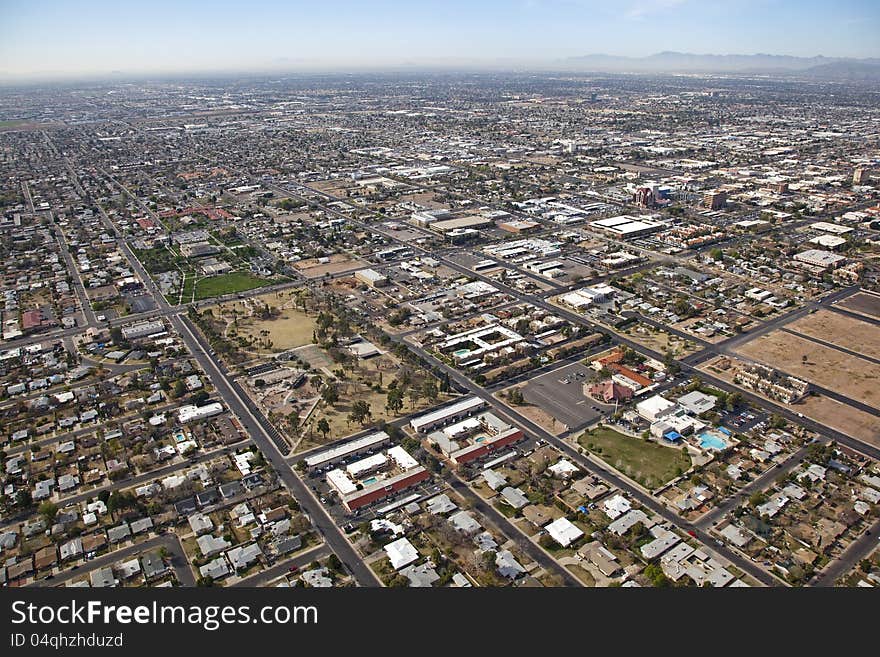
{"points": [[845, 419], [853, 377], [338, 262], [822, 409], [863, 303], [841, 330]]}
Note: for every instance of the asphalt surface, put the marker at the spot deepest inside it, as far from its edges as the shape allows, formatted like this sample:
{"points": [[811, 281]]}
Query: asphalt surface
{"points": [[169, 541], [854, 553], [535, 552], [282, 567], [643, 498], [259, 430], [130, 482], [759, 483]]}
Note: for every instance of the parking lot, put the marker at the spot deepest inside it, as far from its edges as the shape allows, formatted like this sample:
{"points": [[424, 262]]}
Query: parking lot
{"points": [[560, 394], [742, 419]]}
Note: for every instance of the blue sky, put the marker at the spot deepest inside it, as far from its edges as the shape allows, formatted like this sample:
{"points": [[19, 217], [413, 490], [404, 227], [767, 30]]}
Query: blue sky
{"points": [[85, 37]]}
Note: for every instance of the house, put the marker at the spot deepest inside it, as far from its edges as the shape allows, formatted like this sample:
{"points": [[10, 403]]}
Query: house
{"points": [[128, 569], [70, 549], [153, 565], [209, 545], [200, 523], [317, 578], [141, 525], [563, 469], [514, 497], [421, 576], [616, 506], [401, 553], [663, 540], [7, 540], [19, 569], [94, 542], [215, 569], [102, 577], [603, 559], [624, 523], [507, 565], [494, 480], [536, 515], [287, 544], [563, 531], [242, 557], [464, 523], [45, 558], [119, 533], [440, 504]]}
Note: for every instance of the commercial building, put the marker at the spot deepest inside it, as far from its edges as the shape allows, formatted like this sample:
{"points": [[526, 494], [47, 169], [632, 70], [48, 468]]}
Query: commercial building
{"points": [[190, 413], [715, 200], [371, 277], [818, 259], [627, 227], [474, 437], [463, 408], [519, 226], [654, 408], [142, 329], [376, 477], [697, 402], [461, 223]]}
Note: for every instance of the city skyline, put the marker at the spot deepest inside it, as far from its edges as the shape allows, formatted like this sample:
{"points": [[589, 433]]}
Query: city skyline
{"points": [[49, 39]]}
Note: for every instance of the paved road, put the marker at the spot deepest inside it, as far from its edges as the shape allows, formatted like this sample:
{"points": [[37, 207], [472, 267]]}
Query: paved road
{"points": [[129, 482], [857, 550], [169, 541], [535, 552], [643, 498], [283, 566], [757, 484], [259, 429]]}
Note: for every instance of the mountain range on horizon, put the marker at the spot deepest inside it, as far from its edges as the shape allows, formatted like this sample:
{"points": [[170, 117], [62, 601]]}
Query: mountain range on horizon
{"points": [[679, 62]]}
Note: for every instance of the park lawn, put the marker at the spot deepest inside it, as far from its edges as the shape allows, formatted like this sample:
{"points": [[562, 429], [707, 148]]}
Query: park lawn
{"points": [[648, 462], [230, 283]]}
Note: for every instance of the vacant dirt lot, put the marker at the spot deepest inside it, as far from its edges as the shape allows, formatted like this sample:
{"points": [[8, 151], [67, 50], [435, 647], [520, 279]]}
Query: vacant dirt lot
{"points": [[339, 262], [845, 419], [848, 375], [846, 332], [863, 303], [658, 340], [824, 410]]}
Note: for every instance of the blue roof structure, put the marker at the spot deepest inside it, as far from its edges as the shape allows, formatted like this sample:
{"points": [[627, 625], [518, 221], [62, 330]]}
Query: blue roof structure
{"points": [[672, 436]]}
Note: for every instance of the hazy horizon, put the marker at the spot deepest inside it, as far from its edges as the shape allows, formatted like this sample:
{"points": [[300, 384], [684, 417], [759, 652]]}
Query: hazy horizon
{"points": [[50, 39]]}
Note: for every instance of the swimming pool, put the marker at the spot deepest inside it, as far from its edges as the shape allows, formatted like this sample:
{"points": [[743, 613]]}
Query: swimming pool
{"points": [[708, 441], [370, 480]]}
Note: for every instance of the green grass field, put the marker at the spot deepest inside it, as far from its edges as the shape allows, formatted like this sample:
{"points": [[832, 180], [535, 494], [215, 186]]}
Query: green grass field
{"points": [[230, 283], [645, 461]]}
